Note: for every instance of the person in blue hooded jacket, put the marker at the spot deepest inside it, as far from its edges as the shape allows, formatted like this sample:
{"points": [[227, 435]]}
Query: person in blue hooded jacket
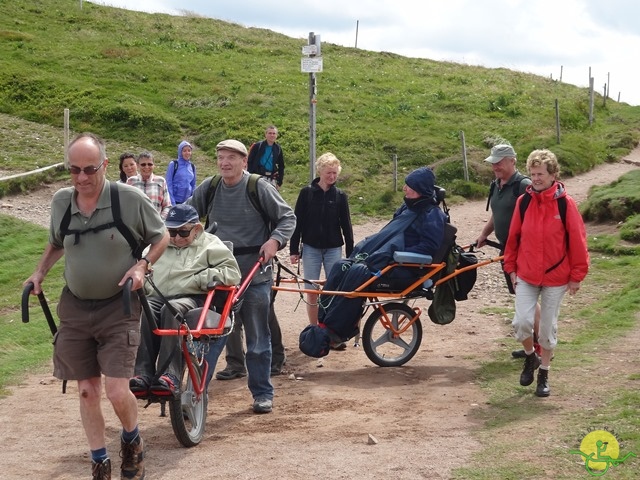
{"points": [[425, 234], [181, 175]]}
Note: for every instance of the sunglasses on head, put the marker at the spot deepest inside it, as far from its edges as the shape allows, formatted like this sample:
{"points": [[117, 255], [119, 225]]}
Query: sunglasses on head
{"points": [[183, 233], [86, 170]]}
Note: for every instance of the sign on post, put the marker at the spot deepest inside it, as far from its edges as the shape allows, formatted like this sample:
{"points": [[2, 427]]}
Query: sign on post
{"points": [[311, 65]]}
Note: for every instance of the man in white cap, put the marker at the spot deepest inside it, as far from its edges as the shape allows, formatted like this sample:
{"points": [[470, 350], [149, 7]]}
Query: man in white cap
{"points": [[241, 223], [505, 189]]}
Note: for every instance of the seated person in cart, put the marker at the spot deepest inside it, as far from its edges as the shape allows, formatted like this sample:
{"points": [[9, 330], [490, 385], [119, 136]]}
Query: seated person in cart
{"points": [[193, 259], [418, 226]]}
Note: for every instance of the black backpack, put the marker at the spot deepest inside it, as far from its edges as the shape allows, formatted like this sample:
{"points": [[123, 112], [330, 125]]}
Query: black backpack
{"points": [[136, 247]]}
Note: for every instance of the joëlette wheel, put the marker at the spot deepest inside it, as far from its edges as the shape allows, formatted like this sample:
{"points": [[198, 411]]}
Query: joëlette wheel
{"points": [[382, 346], [188, 410]]}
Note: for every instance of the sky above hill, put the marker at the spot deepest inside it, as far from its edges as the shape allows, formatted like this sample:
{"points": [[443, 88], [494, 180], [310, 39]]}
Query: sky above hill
{"points": [[545, 37]]}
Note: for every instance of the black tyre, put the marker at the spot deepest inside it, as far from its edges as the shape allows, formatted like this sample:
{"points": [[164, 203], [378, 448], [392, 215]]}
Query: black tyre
{"points": [[188, 411], [380, 344]]}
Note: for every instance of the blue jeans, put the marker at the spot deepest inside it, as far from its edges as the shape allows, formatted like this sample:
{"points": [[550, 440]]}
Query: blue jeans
{"points": [[254, 317], [313, 259], [215, 349]]}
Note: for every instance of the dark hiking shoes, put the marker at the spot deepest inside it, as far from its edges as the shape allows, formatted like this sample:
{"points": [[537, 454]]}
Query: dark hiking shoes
{"points": [[543, 390], [139, 383], [264, 405], [531, 364], [101, 470], [132, 455], [229, 374]]}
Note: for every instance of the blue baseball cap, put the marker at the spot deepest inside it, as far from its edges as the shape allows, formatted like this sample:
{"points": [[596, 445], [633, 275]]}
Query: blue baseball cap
{"points": [[180, 215]]}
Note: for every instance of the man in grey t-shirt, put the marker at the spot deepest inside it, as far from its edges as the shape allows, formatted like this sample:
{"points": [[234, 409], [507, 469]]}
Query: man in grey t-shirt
{"points": [[239, 222]]}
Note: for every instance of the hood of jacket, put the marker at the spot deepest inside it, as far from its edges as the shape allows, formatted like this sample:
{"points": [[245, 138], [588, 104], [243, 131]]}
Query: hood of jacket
{"points": [[183, 144]]}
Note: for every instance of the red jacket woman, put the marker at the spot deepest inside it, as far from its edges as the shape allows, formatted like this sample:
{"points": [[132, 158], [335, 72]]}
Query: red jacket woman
{"points": [[540, 249], [545, 256]]}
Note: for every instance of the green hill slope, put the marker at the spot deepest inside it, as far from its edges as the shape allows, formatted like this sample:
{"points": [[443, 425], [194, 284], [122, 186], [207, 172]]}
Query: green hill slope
{"points": [[149, 80]]}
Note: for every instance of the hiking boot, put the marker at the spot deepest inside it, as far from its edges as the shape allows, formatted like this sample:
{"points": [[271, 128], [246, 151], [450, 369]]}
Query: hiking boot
{"points": [[543, 389], [230, 374], [166, 384], [101, 470], [263, 406], [139, 383], [276, 370], [518, 354], [531, 363], [132, 455]]}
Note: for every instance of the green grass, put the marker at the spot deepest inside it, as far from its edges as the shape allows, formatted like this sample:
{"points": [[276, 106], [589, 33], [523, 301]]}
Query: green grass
{"points": [[524, 437], [146, 81], [23, 347]]}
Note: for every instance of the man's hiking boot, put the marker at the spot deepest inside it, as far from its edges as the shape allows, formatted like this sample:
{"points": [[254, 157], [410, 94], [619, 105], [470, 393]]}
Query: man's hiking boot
{"points": [[264, 405], [101, 470], [132, 455], [543, 390], [229, 374], [531, 363]]}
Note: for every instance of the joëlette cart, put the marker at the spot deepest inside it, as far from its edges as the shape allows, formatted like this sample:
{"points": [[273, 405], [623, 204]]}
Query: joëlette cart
{"points": [[215, 319]]}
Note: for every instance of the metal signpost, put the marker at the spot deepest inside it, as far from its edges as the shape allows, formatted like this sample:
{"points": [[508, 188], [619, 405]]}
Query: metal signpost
{"points": [[312, 63]]}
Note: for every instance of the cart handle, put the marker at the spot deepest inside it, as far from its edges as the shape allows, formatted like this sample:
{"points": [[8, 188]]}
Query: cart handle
{"points": [[126, 296], [26, 293], [43, 303]]}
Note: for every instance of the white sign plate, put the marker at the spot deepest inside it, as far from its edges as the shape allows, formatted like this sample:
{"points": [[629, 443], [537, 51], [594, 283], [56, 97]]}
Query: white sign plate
{"points": [[311, 65], [309, 49]]}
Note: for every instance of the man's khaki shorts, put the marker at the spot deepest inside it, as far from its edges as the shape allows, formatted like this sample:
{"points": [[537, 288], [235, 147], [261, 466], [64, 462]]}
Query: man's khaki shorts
{"points": [[95, 337]]}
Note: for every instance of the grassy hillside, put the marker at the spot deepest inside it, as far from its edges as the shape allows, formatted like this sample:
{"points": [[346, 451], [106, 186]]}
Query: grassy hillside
{"points": [[149, 80]]}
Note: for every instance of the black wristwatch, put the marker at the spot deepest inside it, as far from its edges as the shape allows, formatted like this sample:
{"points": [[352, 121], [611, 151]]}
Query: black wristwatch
{"points": [[149, 264]]}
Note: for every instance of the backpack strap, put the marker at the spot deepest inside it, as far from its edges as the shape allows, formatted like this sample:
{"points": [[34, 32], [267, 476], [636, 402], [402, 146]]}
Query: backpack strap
{"points": [[136, 247], [175, 168], [492, 188], [252, 193]]}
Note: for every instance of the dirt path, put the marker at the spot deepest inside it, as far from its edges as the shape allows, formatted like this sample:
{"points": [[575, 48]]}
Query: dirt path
{"points": [[421, 414]]}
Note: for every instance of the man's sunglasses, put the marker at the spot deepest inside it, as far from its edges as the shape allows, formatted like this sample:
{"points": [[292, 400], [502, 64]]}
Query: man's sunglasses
{"points": [[183, 233], [86, 170]]}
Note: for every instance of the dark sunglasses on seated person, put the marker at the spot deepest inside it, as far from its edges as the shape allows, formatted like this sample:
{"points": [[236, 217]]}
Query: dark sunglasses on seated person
{"points": [[183, 233]]}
